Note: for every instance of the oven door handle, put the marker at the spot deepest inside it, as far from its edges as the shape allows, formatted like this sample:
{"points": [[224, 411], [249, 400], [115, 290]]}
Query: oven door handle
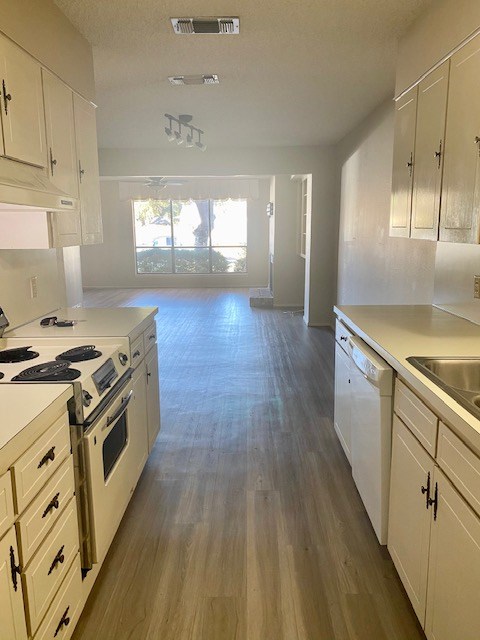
{"points": [[120, 411]]}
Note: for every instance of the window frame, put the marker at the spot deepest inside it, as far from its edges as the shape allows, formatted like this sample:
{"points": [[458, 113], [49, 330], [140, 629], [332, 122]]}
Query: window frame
{"points": [[172, 247]]}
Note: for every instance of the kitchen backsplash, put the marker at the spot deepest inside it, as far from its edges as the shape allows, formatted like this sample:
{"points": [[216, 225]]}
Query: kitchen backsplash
{"points": [[16, 269]]}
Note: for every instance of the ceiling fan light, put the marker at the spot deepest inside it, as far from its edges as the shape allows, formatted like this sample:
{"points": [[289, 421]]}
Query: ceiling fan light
{"points": [[170, 134], [201, 146]]}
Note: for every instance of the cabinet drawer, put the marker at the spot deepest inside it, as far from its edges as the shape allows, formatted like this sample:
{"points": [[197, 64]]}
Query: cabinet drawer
{"points": [[49, 565], [150, 337], [45, 510], [460, 464], [137, 351], [65, 610], [39, 463], [342, 334], [6, 503], [422, 422]]}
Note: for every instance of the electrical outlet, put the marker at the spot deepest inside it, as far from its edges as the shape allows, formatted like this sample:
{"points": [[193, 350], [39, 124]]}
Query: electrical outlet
{"points": [[34, 288], [476, 286]]}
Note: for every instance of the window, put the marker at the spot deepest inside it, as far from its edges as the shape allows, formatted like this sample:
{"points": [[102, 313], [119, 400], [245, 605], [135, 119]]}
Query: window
{"points": [[190, 236]]}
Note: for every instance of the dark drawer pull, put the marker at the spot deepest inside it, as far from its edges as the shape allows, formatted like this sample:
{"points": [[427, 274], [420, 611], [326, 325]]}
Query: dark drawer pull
{"points": [[152, 337], [59, 559], [64, 622], [136, 354], [14, 569], [53, 504], [50, 455]]}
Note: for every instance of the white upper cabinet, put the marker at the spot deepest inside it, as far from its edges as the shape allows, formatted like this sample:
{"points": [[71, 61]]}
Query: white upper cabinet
{"points": [[62, 162], [403, 164], [22, 110], [88, 174], [459, 218], [429, 146]]}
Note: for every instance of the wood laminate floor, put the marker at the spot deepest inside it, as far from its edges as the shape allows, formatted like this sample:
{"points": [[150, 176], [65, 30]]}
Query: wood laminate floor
{"points": [[246, 523]]}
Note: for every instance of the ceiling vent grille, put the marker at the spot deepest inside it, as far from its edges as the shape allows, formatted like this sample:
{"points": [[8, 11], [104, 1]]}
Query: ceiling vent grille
{"points": [[222, 26], [210, 78]]}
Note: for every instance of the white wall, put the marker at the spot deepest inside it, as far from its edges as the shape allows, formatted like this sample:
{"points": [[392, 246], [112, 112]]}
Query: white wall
{"points": [[320, 270], [112, 264], [433, 35], [16, 269], [288, 266], [372, 267]]}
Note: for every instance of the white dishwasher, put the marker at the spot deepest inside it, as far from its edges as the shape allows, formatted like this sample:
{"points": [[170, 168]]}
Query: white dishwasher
{"points": [[372, 388]]}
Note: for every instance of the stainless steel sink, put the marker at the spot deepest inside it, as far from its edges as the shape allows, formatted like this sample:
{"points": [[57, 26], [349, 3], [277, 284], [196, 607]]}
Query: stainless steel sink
{"points": [[459, 377]]}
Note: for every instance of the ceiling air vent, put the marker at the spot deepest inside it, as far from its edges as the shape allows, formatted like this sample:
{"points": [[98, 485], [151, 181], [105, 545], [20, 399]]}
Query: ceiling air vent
{"points": [[210, 78], [223, 26]]}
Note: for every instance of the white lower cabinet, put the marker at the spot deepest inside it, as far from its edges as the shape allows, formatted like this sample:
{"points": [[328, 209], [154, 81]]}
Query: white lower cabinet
{"points": [[434, 533], [153, 396], [409, 520], [12, 616], [453, 611], [138, 447]]}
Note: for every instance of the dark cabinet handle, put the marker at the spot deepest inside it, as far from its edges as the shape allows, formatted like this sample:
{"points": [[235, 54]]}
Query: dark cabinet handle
{"points": [[53, 504], [81, 171], [343, 338], [426, 491], [15, 569], [59, 559], [50, 455], [433, 502], [136, 354], [152, 337], [410, 165], [438, 155], [53, 161], [6, 97], [64, 622]]}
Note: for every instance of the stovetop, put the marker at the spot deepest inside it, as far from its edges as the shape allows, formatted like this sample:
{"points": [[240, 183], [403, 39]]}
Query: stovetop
{"points": [[55, 361]]}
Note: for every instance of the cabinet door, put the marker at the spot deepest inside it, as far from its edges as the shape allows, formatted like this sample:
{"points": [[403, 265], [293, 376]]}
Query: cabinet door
{"points": [[153, 396], [88, 175], [65, 229], [12, 615], [409, 520], [137, 418], [453, 610], [23, 115], [403, 164], [342, 410], [429, 145], [62, 161], [460, 196]]}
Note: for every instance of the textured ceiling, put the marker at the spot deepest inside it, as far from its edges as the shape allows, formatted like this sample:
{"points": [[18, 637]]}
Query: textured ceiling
{"points": [[301, 72]]}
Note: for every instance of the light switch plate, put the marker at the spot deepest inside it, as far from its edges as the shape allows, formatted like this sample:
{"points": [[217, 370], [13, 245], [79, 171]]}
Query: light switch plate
{"points": [[476, 286]]}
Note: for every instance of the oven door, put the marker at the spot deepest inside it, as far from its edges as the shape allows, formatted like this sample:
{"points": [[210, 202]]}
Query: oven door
{"points": [[108, 471]]}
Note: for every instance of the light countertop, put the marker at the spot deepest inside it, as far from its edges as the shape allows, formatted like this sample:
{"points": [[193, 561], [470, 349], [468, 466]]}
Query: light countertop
{"points": [[21, 422], [397, 332], [92, 322]]}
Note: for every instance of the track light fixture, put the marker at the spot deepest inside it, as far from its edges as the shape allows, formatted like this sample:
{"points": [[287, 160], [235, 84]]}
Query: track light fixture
{"points": [[184, 120]]}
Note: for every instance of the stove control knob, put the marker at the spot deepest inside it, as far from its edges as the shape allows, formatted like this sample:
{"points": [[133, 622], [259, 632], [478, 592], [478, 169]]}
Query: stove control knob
{"points": [[87, 399], [123, 358]]}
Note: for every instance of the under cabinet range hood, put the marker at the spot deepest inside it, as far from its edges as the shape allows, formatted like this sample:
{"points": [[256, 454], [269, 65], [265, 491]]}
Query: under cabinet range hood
{"points": [[29, 188], [34, 214]]}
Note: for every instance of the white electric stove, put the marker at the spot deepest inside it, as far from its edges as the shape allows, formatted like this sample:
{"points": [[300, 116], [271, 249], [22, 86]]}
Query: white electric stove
{"points": [[93, 368]]}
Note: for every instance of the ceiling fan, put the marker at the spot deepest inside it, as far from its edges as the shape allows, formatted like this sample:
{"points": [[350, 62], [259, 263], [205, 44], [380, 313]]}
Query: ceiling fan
{"points": [[160, 182]]}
